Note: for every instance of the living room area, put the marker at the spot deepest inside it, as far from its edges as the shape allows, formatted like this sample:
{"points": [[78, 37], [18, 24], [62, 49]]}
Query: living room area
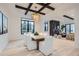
{"points": [[39, 29]]}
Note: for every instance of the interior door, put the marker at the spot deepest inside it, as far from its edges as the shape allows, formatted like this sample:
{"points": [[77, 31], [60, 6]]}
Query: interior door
{"points": [[53, 27]]}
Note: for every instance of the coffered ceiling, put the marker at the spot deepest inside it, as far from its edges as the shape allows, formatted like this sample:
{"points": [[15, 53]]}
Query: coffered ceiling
{"points": [[57, 6], [37, 8], [60, 9]]}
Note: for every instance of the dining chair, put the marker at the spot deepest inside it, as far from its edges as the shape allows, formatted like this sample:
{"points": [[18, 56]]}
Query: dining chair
{"points": [[30, 44], [44, 34], [46, 46]]}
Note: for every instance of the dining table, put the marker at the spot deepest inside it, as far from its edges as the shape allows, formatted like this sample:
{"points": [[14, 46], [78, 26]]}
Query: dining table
{"points": [[38, 39]]}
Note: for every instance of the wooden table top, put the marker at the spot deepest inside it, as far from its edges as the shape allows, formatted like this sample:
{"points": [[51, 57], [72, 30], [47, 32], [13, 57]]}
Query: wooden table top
{"points": [[38, 37]]}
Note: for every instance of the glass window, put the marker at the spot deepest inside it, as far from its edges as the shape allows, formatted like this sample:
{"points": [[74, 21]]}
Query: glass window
{"points": [[5, 24], [31, 26], [70, 28], [27, 26], [67, 29], [46, 26], [0, 23], [24, 28]]}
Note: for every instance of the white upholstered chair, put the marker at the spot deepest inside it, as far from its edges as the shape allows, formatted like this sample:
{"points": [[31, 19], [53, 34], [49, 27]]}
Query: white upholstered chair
{"points": [[46, 46], [30, 44], [44, 34]]}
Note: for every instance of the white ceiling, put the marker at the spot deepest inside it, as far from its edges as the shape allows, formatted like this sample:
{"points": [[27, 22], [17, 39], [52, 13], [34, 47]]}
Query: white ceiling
{"points": [[60, 9]]}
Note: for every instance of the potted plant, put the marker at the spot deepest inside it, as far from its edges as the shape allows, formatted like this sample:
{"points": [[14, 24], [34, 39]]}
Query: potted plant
{"points": [[36, 33], [62, 27]]}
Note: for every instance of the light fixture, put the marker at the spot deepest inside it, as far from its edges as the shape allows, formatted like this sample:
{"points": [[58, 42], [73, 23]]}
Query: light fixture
{"points": [[36, 16]]}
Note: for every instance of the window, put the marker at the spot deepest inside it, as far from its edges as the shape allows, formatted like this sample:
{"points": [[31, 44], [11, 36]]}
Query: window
{"points": [[0, 23], [46, 26], [67, 29], [3, 24], [70, 28], [27, 26]]}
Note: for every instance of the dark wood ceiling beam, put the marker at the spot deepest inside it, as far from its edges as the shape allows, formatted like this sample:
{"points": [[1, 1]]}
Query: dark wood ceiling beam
{"points": [[20, 7], [49, 7], [44, 6], [68, 17], [30, 4]]}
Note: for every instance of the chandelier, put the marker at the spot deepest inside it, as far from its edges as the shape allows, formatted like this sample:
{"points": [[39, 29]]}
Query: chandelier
{"points": [[35, 16]]}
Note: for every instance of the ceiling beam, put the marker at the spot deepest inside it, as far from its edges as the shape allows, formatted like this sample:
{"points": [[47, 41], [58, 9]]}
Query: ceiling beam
{"points": [[30, 4], [68, 17], [44, 6], [20, 7], [49, 7]]}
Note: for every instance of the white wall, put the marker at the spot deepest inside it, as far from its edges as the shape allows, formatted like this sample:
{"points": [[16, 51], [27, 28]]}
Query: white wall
{"points": [[77, 25], [4, 37], [3, 41]]}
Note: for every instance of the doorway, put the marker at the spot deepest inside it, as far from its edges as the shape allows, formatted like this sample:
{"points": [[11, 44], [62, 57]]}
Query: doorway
{"points": [[54, 27]]}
